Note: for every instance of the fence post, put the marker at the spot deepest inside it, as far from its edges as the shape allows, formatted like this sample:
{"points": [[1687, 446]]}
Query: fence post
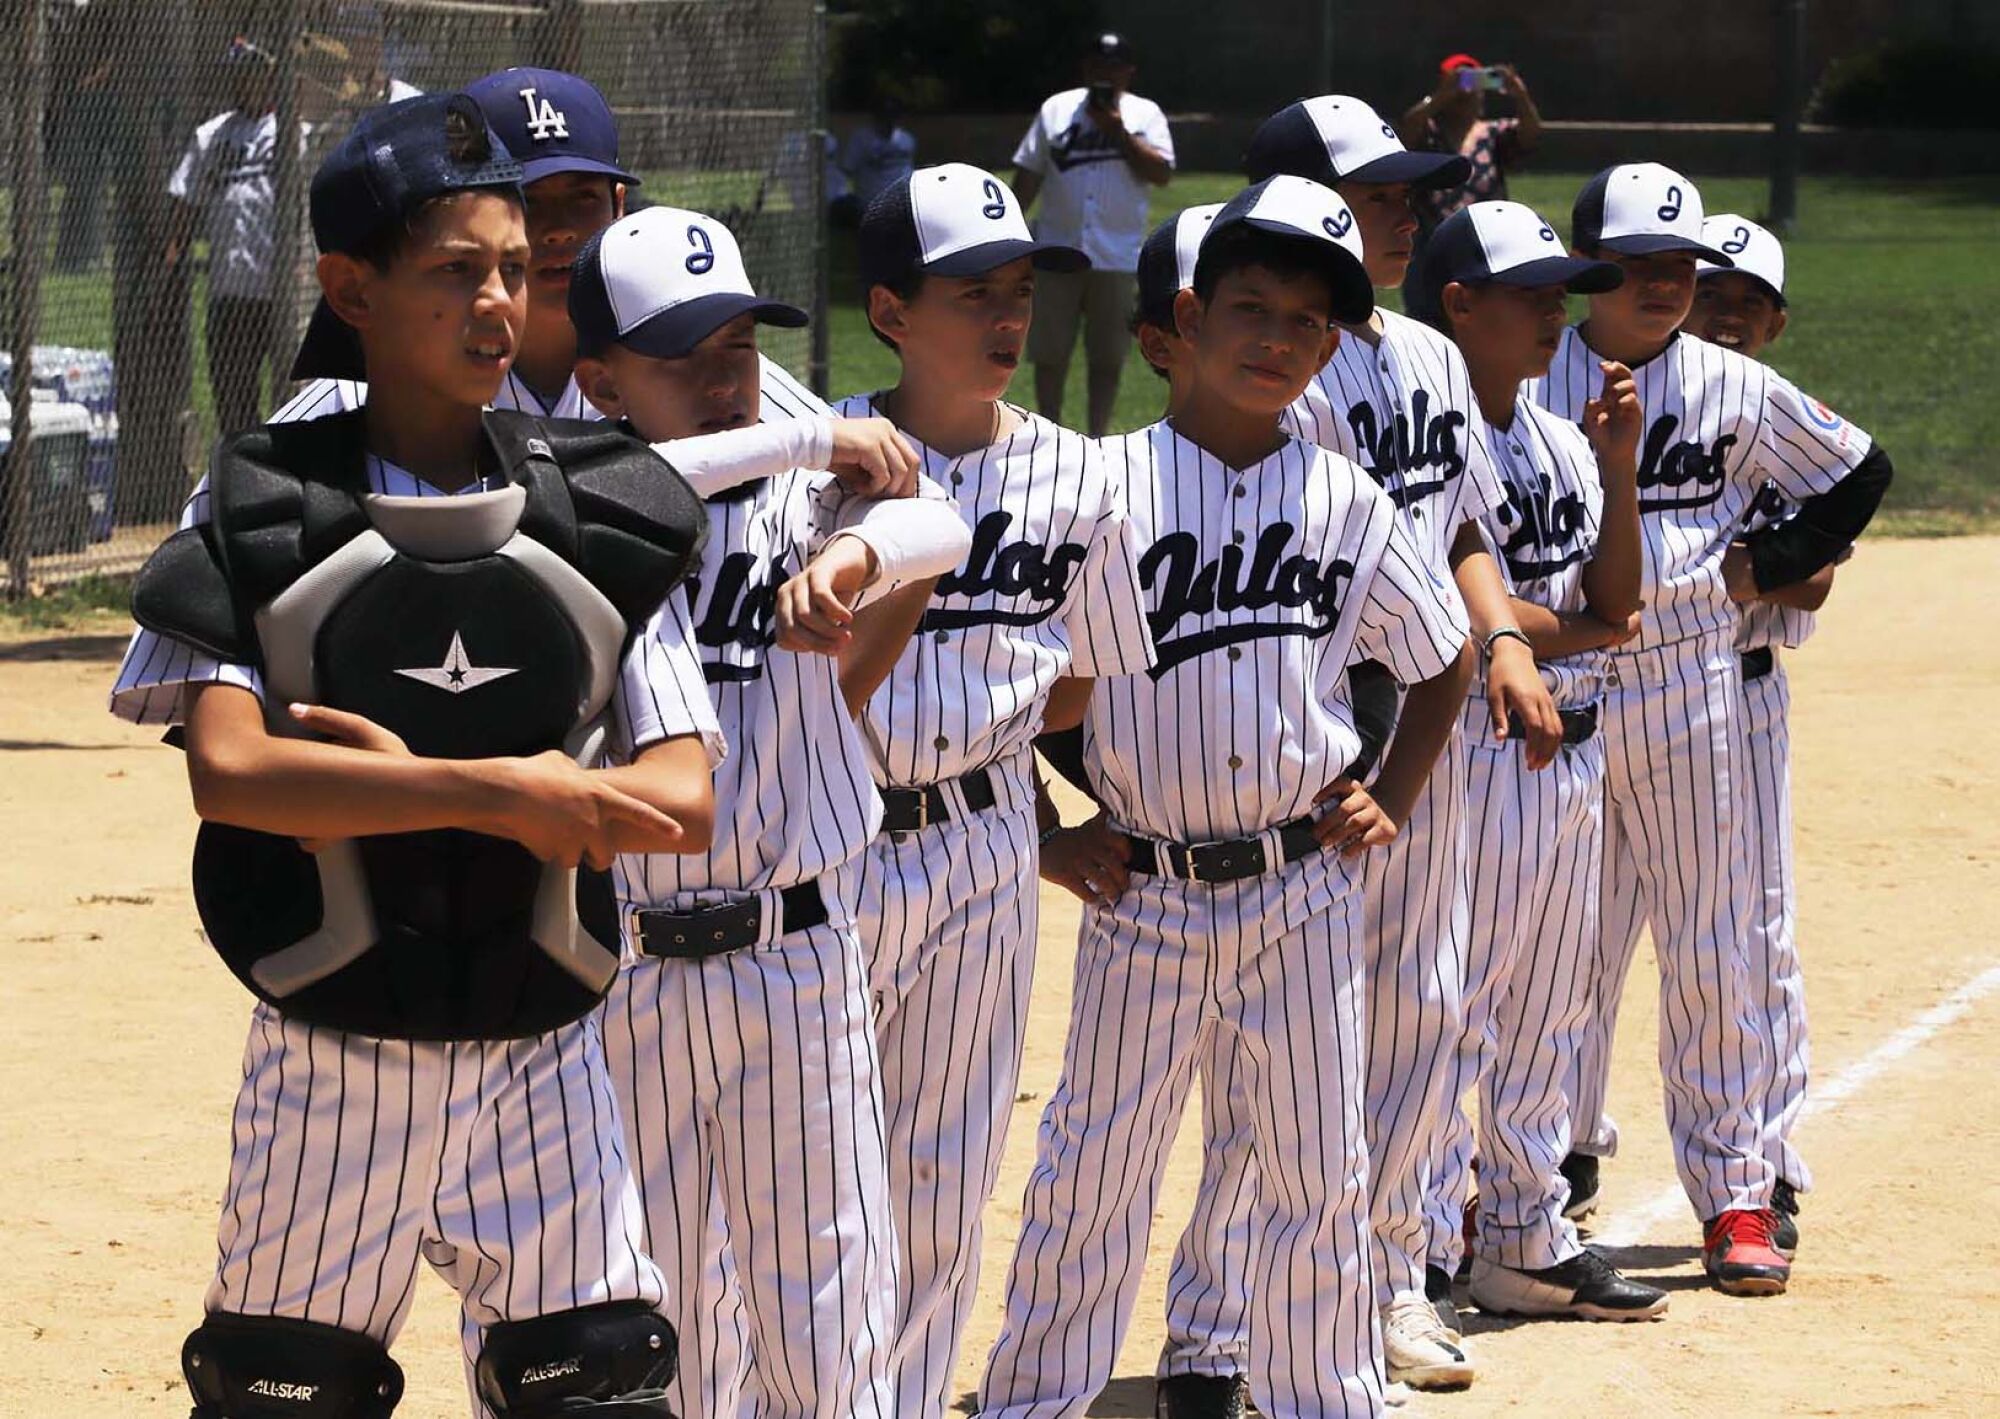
{"points": [[30, 212], [818, 366], [287, 275], [1791, 96]]}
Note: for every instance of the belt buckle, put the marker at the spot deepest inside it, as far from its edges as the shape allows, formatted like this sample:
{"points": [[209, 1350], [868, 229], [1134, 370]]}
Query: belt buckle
{"points": [[923, 809]]}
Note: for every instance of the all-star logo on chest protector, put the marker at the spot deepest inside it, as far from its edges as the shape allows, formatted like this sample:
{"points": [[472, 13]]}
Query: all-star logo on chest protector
{"points": [[545, 120], [1680, 473], [1024, 570], [1542, 529], [1417, 455], [458, 674], [1262, 579]]}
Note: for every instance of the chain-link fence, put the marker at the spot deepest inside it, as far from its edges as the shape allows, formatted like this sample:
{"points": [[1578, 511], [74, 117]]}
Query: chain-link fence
{"points": [[157, 257]]}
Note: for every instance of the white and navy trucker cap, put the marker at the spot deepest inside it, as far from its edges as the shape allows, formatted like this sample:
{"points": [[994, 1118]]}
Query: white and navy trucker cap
{"points": [[950, 220], [660, 282], [1639, 209], [1166, 261], [1754, 250], [1338, 138], [1507, 244], [1311, 214]]}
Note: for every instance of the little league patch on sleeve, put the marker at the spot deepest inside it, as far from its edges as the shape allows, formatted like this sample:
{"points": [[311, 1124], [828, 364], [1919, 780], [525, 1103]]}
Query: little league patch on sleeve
{"points": [[1826, 419]]}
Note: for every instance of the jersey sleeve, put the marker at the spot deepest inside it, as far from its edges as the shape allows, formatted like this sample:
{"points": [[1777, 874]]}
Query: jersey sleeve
{"points": [[157, 672], [661, 692], [1158, 135], [1106, 617], [1483, 490], [189, 176], [1031, 154], [1412, 622], [1803, 446]]}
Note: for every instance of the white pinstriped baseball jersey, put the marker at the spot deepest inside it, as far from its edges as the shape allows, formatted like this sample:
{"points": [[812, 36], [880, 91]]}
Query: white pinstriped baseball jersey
{"points": [[1763, 624], [1050, 589], [1262, 585], [1403, 409], [796, 798], [1545, 530], [783, 398], [1718, 427]]}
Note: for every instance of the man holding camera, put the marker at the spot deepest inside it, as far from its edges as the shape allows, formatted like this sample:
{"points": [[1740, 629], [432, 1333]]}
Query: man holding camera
{"points": [[1092, 153]]}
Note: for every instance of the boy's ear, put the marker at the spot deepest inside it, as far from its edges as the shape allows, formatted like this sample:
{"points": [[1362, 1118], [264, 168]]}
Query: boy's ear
{"points": [[1455, 300], [888, 314], [617, 200], [1780, 318], [1188, 313], [595, 382], [1155, 346], [347, 283]]}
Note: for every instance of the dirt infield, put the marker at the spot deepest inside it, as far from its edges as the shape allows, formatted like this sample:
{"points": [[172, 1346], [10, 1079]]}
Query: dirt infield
{"points": [[119, 1059]]}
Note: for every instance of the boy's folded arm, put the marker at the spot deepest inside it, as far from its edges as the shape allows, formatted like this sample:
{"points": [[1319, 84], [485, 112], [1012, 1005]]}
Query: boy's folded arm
{"points": [[243, 775], [1430, 709], [674, 776], [715, 463]]}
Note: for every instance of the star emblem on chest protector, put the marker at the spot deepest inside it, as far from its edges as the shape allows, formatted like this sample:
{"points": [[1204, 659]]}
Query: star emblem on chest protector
{"points": [[458, 674]]}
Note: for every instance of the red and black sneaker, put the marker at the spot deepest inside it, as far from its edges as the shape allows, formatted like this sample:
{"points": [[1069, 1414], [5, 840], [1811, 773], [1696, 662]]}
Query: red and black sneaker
{"points": [[1738, 1254]]}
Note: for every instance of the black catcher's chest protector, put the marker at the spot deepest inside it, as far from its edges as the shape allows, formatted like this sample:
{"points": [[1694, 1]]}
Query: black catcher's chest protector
{"points": [[482, 625]]}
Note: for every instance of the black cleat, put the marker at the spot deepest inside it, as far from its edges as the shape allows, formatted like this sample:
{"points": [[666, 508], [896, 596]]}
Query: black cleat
{"points": [[1586, 1286], [1579, 1170], [1785, 1229], [1437, 1290], [1200, 1397]]}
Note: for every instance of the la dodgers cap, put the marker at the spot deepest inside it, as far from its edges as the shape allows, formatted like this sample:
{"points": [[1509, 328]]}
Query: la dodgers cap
{"points": [[950, 220], [1640, 209], [1311, 214], [552, 121], [1756, 252], [661, 281], [395, 159], [1166, 261], [1508, 244], [1337, 138]]}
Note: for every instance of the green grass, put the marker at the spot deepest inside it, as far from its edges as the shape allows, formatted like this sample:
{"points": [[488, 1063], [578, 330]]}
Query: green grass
{"points": [[1893, 287], [1893, 291]]}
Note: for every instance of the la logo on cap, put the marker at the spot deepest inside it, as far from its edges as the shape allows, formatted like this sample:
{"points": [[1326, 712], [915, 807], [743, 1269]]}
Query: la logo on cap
{"points": [[957, 207], [1643, 199], [545, 120]]}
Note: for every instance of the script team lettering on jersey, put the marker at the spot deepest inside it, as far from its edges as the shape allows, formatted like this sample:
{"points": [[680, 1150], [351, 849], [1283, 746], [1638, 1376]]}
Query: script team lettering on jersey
{"points": [[1689, 474], [1042, 575], [1187, 586], [741, 612], [1418, 440], [1541, 529]]}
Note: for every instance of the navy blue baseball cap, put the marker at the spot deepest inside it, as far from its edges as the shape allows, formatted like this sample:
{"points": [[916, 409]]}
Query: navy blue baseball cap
{"points": [[950, 220], [395, 159], [1335, 138], [1504, 244], [662, 280], [553, 122], [1313, 217], [1166, 262]]}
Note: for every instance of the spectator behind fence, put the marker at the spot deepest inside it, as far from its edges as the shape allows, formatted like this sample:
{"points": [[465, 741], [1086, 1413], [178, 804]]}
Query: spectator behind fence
{"points": [[227, 179], [880, 153], [1092, 153], [1452, 119]]}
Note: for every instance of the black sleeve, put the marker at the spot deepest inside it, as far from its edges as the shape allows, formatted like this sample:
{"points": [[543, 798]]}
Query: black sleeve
{"points": [[1823, 528], [1064, 751], [1376, 699]]}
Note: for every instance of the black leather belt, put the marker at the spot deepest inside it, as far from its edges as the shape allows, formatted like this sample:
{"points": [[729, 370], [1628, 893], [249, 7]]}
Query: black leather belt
{"points": [[1758, 663], [1578, 725], [711, 931], [911, 810], [1227, 861]]}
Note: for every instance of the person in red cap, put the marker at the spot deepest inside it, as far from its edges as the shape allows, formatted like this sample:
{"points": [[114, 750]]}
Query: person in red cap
{"points": [[1452, 119]]}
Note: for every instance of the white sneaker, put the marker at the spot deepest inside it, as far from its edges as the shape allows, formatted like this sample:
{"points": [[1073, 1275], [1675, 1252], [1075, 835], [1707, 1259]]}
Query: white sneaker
{"points": [[1417, 1347]]}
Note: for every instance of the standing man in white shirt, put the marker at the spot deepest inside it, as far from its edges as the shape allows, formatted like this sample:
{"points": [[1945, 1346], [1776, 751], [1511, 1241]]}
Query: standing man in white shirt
{"points": [[879, 154], [1092, 153]]}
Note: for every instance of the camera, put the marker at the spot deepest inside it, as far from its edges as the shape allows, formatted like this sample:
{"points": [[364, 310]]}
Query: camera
{"points": [[1489, 78]]}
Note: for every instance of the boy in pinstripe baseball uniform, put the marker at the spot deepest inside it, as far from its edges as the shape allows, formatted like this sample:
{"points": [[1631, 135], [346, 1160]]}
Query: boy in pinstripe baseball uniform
{"points": [[574, 185], [1718, 428], [739, 1032], [395, 641], [1233, 921], [1745, 309], [1395, 399], [1568, 539], [1047, 598]]}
